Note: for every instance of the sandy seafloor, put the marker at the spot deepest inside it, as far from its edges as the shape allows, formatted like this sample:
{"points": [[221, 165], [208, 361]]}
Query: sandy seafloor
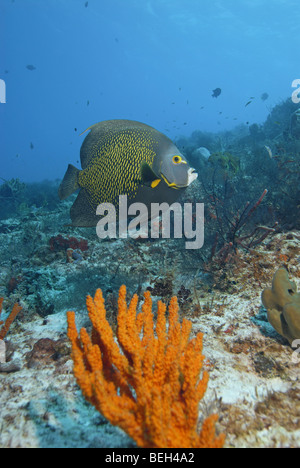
{"points": [[254, 384]]}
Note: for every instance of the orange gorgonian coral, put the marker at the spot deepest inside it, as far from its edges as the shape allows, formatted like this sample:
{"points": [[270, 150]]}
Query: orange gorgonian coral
{"points": [[146, 380], [15, 310]]}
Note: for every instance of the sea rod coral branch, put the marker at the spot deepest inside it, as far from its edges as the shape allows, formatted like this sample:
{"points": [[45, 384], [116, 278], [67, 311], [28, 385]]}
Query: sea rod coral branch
{"points": [[15, 310], [148, 380]]}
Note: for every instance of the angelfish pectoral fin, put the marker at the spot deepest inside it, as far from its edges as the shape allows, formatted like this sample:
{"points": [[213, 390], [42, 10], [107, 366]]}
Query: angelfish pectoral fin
{"points": [[155, 183], [148, 176]]}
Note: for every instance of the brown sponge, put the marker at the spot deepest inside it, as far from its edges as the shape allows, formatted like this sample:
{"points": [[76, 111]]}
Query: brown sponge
{"points": [[283, 305]]}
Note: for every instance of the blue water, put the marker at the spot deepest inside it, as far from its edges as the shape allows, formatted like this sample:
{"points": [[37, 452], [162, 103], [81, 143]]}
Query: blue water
{"points": [[156, 61]]}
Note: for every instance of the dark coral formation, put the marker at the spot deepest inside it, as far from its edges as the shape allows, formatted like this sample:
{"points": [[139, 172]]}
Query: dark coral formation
{"points": [[64, 243]]}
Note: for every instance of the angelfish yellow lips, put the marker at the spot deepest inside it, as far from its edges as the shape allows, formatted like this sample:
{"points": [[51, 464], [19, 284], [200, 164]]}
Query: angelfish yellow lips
{"points": [[172, 185]]}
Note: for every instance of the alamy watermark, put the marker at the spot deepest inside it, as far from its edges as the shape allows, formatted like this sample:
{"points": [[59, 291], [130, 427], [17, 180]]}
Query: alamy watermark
{"points": [[133, 221], [2, 352], [296, 93], [2, 92]]}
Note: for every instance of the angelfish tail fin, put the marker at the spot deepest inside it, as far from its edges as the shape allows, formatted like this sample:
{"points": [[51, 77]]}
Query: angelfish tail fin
{"points": [[69, 183]]}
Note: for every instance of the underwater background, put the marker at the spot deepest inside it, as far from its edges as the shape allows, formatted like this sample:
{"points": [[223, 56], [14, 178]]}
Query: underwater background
{"points": [[220, 78]]}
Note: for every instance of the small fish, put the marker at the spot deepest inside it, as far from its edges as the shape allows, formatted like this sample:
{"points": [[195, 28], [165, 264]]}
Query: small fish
{"points": [[269, 151], [203, 151], [247, 104], [86, 4], [75, 129], [30, 67], [216, 92], [264, 96], [87, 102], [31, 145]]}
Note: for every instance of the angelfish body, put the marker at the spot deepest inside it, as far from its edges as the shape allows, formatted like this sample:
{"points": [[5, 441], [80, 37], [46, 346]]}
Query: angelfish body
{"points": [[123, 157]]}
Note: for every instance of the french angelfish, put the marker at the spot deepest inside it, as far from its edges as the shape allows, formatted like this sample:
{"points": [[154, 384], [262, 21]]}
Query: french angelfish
{"points": [[124, 157]]}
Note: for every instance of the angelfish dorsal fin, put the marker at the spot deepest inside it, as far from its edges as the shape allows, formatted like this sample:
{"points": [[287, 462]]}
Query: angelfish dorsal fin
{"points": [[89, 128]]}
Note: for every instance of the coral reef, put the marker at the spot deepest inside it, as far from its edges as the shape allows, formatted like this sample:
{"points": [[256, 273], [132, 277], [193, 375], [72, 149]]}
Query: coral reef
{"points": [[283, 305], [18, 198], [249, 364], [150, 386], [249, 235]]}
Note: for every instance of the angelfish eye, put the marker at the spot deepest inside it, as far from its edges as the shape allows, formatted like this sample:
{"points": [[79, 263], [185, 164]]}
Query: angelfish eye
{"points": [[177, 159]]}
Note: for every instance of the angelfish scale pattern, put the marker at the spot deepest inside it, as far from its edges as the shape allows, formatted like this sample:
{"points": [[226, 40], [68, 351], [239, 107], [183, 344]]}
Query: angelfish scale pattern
{"points": [[115, 167]]}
